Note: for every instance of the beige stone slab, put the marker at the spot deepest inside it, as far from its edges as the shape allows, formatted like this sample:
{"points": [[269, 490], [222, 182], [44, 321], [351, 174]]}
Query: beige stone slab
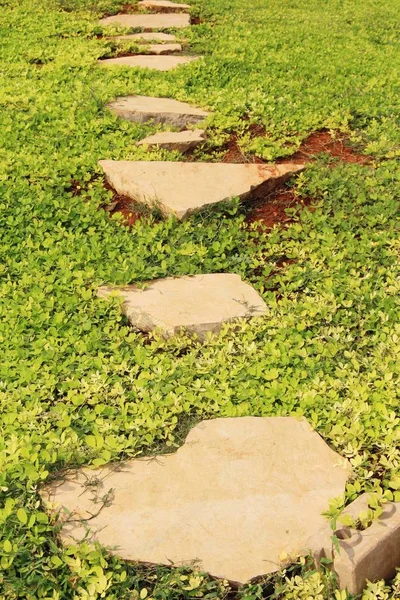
{"points": [[238, 494], [181, 188], [163, 5], [172, 140], [198, 304], [360, 506], [160, 110], [145, 61], [159, 49], [155, 21], [152, 36], [371, 554]]}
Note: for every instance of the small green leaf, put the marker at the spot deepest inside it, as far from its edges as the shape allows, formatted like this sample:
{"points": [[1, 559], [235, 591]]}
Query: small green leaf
{"points": [[22, 516]]}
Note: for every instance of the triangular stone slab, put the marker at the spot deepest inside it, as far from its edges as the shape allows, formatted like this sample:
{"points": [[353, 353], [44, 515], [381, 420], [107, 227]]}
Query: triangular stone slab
{"points": [[172, 140], [146, 37], [236, 496], [146, 61], [156, 21], [141, 109], [198, 304], [163, 5], [181, 188]]}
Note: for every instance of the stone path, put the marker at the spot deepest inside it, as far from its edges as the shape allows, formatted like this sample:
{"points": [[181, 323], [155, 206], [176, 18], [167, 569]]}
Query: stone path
{"points": [[161, 49], [198, 304], [171, 140], [152, 36], [171, 15], [163, 4], [151, 21], [181, 188], [236, 496], [141, 109], [241, 493], [160, 63]]}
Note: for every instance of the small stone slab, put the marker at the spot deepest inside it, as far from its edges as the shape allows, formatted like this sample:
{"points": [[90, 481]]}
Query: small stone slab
{"points": [[159, 49], [238, 494], [141, 109], [163, 4], [371, 554], [146, 37], [181, 188], [163, 48], [147, 61], [155, 21], [197, 304], [171, 140]]}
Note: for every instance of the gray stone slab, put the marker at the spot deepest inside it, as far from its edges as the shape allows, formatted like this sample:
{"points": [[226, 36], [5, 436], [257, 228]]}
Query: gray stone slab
{"points": [[198, 304], [181, 188], [152, 36], [147, 61], [171, 140], [165, 5], [141, 109], [159, 49], [236, 496], [155, 21]]}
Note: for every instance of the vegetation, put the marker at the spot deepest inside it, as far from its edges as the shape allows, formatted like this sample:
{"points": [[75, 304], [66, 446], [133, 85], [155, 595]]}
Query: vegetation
{"points": [[78, 386]]}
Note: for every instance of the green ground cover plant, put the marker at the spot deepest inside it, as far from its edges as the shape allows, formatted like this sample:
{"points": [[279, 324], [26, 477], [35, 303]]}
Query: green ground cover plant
{"points": [[78, 386]]}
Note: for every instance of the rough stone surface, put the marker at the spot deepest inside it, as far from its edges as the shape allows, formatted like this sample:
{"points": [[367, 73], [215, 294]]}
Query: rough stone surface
{"points": [[144, 61], [162, 4], [358, 506], [372, 554], [181, 188], [171, 140], [155, 21], [234, 497], [162, 48], [198, 304], [159, 110], [146, 37]]}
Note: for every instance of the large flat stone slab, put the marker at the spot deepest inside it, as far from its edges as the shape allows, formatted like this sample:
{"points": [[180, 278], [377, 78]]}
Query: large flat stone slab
{"points": [[141, 109], [180, 188], [147, 61], [238, 494], [175, 140], [152, 36], [198, 304], [155, 21], [165, 5]]}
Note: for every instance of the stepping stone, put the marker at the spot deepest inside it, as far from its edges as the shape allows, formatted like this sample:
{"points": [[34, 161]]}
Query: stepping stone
{"points": [[171, 140], [163, 4], [146, 37], [163, 48], [156, 21], [159, 49], [141, 109], [198, 304], [146, 61], [181, 188], [238, 495]]}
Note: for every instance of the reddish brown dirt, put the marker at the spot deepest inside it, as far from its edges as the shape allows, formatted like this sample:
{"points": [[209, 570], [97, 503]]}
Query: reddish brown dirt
{"points": [[271, 210], [122, 205], [323, 141], [233, 153]]}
